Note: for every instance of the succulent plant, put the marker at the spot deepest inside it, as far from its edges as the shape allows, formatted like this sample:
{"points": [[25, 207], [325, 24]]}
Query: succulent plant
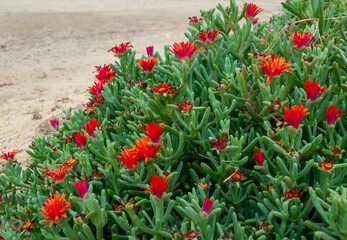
{"points": [[238, 133]]}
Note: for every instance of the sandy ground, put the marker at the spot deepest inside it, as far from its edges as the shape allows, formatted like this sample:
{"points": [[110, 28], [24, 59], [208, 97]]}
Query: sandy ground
{"points": [[48, 50]]}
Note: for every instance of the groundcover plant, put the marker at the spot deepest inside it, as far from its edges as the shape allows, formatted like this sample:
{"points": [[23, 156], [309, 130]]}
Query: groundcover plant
{"points": [[237, 133]]}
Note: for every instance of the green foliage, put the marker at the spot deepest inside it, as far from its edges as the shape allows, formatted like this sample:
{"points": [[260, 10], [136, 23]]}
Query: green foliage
{"points": [[226, 84]]}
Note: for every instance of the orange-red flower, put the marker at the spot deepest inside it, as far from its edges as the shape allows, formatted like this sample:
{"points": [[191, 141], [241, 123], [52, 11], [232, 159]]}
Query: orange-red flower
{"points": [[120, 50], [154, 131], [158, 186], [326, 165], [91, 126], [105, 73], [292, 193], [275, 66], [313, 90], [221, 143], [252, 11], [162, 88], [194, 20], [295, 115], [332, 114], [185, 107], [301, 41], [97, 88], [129, 157], [57, 175], [9, 155], [54, 208], [147, 64], [146, 151], [184, 51], [209, 36]]}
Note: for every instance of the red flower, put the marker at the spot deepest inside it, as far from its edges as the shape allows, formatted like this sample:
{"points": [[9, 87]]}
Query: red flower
{"points": [[194, 20], [260, 158], [158, 186], [149, 51], [301, 41], [313, 90], [97, 88], [162, 88], [81, 140], [119, 50], [208, 204], [154, 131], [82, 188], [221, 143], [292, 193], [147, 64], [326, 165], [9, 155], [209, 36], [54, 122], [274, 66], [146, 151], [332, 114], [129, 157], [54, 208], [57, 175], [184, 50], [185, 107], [252, 10], [237, 176], [91, 126], [105, 73], [295, 115]]}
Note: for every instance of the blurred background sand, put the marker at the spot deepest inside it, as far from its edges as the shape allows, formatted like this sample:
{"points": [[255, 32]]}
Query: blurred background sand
{"points": [[49, 50]]}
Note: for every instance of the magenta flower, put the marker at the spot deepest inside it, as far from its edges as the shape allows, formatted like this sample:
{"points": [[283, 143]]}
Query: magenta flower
{"points": [[270, 29], [81, 140], [82, 188], [208, 204], [149, 50], [313, 90], [332, 114], [55, 123], [260, 158]]}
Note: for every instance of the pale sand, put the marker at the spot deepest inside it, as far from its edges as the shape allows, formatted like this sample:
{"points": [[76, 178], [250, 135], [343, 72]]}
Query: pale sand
{"points": [[48, 50]]}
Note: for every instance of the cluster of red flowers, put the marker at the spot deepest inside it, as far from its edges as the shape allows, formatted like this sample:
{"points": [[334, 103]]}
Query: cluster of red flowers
{"points": [[104, 74], [145, 148], [194, 20], [209, 36], [9, 155]]}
